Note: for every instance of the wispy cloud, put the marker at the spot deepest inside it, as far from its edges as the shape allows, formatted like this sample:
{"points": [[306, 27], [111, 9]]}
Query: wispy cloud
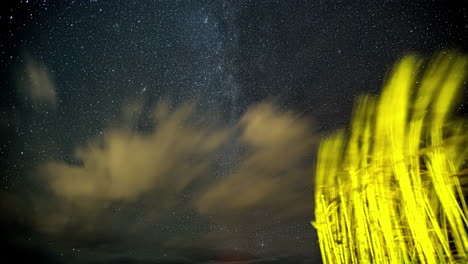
{"points": [[37, 84], [273, 172]]}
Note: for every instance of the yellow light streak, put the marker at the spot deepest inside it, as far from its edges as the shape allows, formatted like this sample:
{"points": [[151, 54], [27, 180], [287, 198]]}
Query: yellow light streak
{"points": [[390, 189]]}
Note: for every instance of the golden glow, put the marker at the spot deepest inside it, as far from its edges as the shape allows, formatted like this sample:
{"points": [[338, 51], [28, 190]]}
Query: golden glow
{"points": [[388, 190]]}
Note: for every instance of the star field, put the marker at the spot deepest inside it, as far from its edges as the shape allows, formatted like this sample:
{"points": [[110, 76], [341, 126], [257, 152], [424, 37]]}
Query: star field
{"points": [[82, 80]]}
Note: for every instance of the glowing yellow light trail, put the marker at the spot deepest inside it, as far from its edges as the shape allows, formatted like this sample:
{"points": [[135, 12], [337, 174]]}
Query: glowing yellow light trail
{"points": [[389, 189]]}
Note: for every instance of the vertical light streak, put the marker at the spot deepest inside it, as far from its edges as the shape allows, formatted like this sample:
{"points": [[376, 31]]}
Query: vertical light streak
{"points": [[389, 189]]}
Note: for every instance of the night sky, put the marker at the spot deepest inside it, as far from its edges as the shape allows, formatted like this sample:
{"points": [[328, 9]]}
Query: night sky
{"points": [[185, 131]]}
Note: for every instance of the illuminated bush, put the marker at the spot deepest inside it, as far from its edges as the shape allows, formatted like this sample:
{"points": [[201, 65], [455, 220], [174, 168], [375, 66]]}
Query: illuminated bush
{"points": [[389, 190]]}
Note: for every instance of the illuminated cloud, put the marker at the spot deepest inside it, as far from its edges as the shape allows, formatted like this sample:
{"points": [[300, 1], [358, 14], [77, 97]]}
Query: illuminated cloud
{"points": [[124, 164], [273, 173], [37, 84]]}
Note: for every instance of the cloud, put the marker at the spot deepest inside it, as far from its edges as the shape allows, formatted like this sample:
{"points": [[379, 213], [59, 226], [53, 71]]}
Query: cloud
{"points": [[124, 164], [37, 84], [274, 172]]}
